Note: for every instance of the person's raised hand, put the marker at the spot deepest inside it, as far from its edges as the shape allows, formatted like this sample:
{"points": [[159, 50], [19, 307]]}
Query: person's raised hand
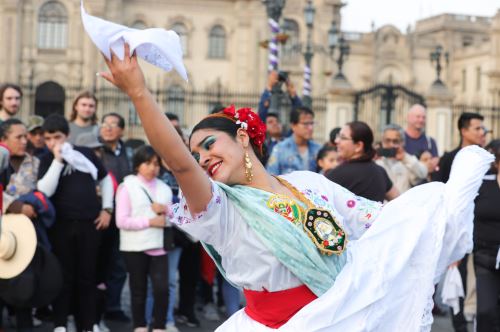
{"points": [[125, 74], [57, 152], [272, 79], [400, 153]]}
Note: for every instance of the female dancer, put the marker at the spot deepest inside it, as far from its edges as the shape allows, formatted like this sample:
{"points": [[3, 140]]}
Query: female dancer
{"points": [[284, 239]]}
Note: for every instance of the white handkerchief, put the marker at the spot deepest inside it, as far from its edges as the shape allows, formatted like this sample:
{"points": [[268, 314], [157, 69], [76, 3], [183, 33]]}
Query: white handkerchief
{"points": [[157, 46], [78, 160], [453, 289]]}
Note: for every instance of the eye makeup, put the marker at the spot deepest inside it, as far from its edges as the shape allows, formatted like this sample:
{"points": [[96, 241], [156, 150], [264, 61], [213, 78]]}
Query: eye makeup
{"points": [[208, 142], [196, 156]]}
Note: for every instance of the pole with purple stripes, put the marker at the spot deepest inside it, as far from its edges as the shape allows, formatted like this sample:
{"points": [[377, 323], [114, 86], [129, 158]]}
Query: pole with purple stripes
{"points": [[273, 44], [274, 9]]}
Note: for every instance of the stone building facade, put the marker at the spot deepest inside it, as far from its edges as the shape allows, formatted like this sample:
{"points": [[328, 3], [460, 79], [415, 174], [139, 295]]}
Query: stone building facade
{"points": [[45, 49]]}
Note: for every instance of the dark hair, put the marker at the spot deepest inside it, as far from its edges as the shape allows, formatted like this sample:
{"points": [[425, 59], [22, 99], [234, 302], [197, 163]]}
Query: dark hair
{"points": [[322, 154], [494, 147], [143, 154], [361, 132], [273, 115], [465, 118], [296, 112], [171, 116], [333, 134], [54, 123], [6, 86], [84, 94], [225, 125], [121, 120], [6, 125]]}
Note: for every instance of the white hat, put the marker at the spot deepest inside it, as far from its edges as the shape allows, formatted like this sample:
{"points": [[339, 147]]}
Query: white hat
{"points": [[17, 244]]}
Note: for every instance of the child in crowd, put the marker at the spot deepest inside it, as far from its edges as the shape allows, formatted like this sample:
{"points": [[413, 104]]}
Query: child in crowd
{"points": [[68, 176], [327, 159], [141, 215]]}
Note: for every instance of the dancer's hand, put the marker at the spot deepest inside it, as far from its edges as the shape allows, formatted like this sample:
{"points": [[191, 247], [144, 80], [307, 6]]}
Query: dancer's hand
{"points": [[126, 75]]}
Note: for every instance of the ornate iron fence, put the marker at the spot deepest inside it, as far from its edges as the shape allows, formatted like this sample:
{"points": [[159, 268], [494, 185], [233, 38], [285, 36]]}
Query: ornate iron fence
{"points": [[189, 105]]}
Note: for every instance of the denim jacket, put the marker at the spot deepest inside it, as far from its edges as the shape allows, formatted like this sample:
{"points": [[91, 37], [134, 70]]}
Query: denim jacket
{"points": [[285, 157]]}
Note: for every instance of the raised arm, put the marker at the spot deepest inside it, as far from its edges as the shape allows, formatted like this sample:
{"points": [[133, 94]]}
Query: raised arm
{"points": [[127, 75]]}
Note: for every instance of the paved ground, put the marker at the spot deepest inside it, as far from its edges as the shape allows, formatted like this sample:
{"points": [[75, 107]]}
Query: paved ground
{"points": [[441, 324]]}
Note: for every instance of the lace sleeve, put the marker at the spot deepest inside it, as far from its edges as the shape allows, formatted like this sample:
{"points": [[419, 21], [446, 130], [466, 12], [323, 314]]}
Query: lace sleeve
{"points": [[214, 225]]}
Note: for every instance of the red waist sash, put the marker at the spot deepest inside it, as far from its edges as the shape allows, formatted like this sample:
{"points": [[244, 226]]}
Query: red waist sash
{"points": [[273, 309]]}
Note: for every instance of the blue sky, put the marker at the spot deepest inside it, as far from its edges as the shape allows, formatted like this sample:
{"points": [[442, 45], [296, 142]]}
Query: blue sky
{"points": [[358, 15]]}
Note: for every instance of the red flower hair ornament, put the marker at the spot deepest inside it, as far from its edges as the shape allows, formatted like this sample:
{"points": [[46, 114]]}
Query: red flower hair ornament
{"points": [[250, 122]]}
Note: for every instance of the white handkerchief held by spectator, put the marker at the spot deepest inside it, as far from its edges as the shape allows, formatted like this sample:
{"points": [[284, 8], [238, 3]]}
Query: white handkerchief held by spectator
{"points": [[453, 289], [157, 46], [78, 160]]}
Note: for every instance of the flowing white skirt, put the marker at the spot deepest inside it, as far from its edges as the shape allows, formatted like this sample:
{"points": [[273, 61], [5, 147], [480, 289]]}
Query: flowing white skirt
{"points": [[388, 281]]}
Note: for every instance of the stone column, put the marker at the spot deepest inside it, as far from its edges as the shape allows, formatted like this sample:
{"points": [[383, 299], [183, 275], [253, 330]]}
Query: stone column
{"points": [[440, 124], [339, 107]]}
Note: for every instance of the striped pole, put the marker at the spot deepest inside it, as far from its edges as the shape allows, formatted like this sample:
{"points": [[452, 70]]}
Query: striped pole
{"points": [[273, 45], [306, 90]]}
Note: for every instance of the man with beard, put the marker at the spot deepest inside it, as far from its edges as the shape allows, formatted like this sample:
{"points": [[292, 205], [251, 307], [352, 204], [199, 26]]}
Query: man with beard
{"points": [[10, 101]]}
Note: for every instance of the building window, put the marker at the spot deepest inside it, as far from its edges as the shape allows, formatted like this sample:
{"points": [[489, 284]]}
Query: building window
{"points": [[478, 78], [175, 100], [467, 41], [52, 26], [290, 50], [182, 31], [217, 43], [464, 80]]}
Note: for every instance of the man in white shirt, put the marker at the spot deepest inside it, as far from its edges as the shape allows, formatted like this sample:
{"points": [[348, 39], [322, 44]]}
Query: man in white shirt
{"points": [[404, 170]]}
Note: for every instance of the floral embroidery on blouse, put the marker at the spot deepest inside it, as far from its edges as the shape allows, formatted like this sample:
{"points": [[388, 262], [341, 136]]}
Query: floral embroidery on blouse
{"points": [[180, 214]]}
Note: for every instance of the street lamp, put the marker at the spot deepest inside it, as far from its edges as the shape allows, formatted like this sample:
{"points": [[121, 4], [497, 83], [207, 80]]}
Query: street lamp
{"points": [[309, 12], [436, 58], [336, 40]]}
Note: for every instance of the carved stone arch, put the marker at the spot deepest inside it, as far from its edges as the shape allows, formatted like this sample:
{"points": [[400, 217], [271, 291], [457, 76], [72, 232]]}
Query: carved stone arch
{"points": [[51, 75], [388, 34], [392, 73]]}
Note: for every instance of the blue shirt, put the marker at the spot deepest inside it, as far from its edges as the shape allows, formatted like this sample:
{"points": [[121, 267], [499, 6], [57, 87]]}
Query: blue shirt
{"points": [[424, 143], [265, 102], [285, 157]]}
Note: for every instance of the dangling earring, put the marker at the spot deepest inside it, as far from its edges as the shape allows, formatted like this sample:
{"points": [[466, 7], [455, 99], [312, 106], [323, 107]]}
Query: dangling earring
{"points": [[248, 168]]}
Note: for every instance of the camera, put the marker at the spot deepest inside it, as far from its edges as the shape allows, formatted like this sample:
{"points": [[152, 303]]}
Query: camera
{"points": [[387, 152], [282, 76]]}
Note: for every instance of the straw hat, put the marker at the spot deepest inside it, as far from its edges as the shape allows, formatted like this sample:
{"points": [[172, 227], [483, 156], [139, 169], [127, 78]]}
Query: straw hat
{"points": [[17, 244]]}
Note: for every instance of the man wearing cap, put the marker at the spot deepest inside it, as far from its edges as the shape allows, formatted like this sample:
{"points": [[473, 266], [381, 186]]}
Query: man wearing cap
{"points": [[36, 143]]}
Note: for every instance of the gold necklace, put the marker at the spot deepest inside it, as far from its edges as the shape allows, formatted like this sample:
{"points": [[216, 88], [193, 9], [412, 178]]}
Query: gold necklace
{"points": [[320, 225]]}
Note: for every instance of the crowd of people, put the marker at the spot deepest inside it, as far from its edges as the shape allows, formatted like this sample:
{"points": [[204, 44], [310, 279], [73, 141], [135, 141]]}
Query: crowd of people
{"points": [[102, 207]]}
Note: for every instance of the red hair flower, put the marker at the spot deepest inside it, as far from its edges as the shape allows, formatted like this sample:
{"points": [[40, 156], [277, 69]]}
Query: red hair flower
{"points": [[250, 121]]}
